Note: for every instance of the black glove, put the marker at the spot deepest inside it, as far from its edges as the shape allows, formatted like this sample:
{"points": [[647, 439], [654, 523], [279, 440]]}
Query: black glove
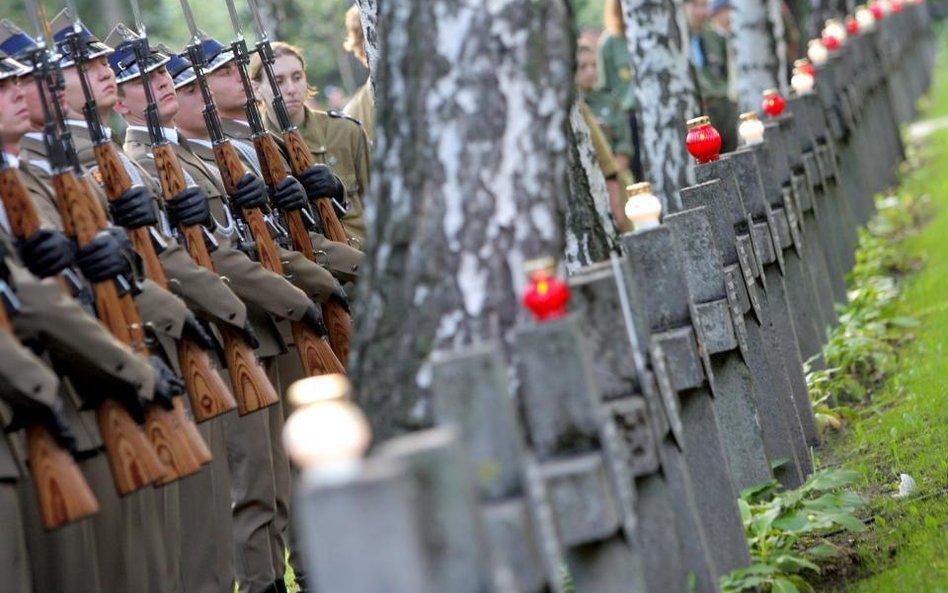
{"points": [[289, 195], [251, 192], [167, 383], [134, 208], [339, 295], [321, 183], [47, 252], [314, 318], [189, 207], [250, 336], [4, 270], [51, 417], [194, 330], [105, 257]]}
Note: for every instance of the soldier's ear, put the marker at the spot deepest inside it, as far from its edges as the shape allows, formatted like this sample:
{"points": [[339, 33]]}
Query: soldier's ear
{"points": [[120, 107]]}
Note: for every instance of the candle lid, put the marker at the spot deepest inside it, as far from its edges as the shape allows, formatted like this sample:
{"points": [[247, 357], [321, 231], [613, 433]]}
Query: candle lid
{"points": [[541, 264], [771, 92], [698, 121], [749, 116], [637, 189]]}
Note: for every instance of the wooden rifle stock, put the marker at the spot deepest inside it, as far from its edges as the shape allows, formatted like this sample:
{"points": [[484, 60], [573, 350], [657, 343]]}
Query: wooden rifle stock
{"points": [[315, 353], [62, 491], [250, 382], [208, 393], [132, 459], [338, 324], [83, 217]]}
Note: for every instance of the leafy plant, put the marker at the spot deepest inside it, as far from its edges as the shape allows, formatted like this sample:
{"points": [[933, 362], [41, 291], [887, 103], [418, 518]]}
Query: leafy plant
{"points": [[777, 523]]}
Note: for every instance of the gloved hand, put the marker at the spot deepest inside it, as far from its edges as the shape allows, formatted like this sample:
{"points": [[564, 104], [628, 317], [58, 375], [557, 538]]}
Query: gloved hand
{"points": [[134, 208], [339, 295], [167, 383], [51, 417], [190, 207], [250, 336], [194, 330], [251, 192], [105, 257], [47, 252], [289, 195], [319, 182], [314, 318]]}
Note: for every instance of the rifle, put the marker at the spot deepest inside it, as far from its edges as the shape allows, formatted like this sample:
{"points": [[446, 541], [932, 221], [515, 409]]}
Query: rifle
{"points": [[251, 385], [171, 453], [62, 491], [208, 393], [315, 353], [335, 316]]}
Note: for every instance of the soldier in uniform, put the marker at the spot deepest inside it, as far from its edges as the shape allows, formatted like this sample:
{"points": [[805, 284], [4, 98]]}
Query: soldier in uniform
{"points": [[715, 79], [334, 138], [362, 105], [250, 440]]}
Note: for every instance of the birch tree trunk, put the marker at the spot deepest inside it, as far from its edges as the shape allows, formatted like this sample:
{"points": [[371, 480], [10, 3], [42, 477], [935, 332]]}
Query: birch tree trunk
{"points": [[591, 231], [756, 51], [665, 89], [369, 15], [780, 44], [467, 185]]}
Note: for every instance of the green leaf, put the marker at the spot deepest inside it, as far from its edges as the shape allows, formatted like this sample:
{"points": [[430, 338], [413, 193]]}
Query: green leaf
{"points": [[795, 521], [848, 521], [822, 551], [782, 585], [792, 563]]}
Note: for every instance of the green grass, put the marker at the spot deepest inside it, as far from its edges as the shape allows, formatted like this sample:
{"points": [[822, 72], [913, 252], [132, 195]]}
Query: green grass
{"points": [[905, 427]]}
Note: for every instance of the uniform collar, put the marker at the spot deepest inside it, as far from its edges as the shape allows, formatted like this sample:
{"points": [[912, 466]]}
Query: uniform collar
{"points": [[12, 160], [171, 134], [82, 126]]}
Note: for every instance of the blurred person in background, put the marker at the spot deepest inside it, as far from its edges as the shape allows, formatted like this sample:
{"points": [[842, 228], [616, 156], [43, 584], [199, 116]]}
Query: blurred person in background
{"points": [[362, 104], [616, 78], [716, 78], [585, 81]]}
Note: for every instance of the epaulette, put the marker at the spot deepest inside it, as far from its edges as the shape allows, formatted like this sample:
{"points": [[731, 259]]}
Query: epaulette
{"points": [[340, 114]]}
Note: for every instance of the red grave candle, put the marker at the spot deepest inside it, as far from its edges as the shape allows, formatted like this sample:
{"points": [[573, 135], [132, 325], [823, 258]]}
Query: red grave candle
{"points": [[703, 141]]}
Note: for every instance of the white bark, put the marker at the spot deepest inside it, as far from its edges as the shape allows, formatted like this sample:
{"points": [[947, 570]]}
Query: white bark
{"points": [[591, 232], [755, 50], [667, 97], [467, 185], [369, 15]]}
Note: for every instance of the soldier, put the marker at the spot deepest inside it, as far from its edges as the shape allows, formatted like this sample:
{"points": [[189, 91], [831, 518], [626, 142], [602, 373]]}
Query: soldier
{"points": [[223, 79], [251, 444], [128, 531], [715, 78], [362, 105], [334, 138]]}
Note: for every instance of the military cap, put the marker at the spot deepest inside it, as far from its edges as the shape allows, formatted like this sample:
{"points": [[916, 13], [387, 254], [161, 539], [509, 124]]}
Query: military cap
{"points": [[181, 71], [215, 54], [124, 61], [10, 67], [64, 26], [13, 41]]}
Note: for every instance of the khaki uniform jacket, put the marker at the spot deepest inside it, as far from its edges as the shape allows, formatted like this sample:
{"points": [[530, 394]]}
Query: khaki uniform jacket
{"points": [[341, 260], [362, 107], [203, 291], [164, 311], [260, 289], [336, 140]]}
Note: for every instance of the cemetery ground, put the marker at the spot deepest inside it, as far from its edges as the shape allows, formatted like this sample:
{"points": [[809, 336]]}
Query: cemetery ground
{"points": [[902, 426]]}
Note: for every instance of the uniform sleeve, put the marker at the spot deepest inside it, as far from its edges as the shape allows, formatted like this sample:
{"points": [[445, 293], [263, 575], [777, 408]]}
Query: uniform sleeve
{"points": [[256, 285], [61, 325], [203, 290], [310, 277], [23, 377], [342, 260]]}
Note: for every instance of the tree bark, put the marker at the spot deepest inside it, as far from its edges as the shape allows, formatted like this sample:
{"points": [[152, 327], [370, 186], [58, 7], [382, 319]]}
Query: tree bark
{"points": [[756, 51], [591, 231], [369, 15], [467, 185], [665, 89]]}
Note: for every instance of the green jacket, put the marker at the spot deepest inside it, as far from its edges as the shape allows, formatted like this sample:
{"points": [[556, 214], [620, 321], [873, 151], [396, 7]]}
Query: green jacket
{"points": [[612, 119], [615, 70], [713, 78]]}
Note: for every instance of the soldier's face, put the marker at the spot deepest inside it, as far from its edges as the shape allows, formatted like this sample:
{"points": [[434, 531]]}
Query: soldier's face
{"points": [[134, 102], [696, 11], [586, 73], [291, 78], [14, 114], [227, 88], [101, 80], [190, 108], [33, 103]]}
